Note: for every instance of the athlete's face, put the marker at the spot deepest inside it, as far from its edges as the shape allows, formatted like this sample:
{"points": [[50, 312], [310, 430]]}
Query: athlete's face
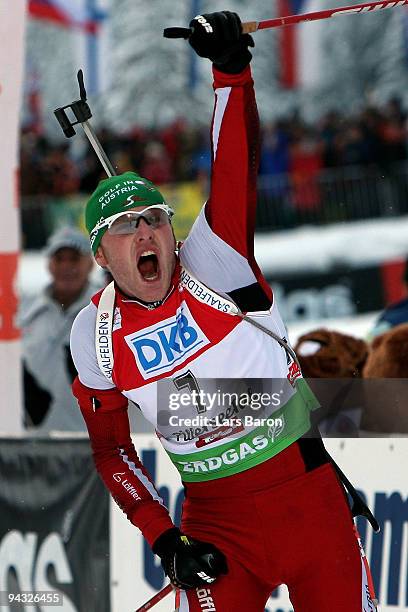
{"points": [[141, 263]]}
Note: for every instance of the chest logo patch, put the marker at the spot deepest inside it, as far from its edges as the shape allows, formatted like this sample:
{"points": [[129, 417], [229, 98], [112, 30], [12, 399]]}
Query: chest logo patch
{"points": [[159, 348]]}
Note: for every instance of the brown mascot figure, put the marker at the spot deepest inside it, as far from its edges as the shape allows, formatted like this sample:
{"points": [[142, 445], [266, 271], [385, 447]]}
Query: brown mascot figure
{"points": [[333, 363], [386, 383]]}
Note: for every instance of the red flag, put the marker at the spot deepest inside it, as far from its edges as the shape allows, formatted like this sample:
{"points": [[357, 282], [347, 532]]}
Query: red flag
{"points": [[66, 13], [289, 44]]}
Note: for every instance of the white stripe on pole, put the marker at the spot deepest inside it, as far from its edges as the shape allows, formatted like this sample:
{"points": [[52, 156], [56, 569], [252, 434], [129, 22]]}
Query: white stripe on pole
{"points": [[12, 19]]}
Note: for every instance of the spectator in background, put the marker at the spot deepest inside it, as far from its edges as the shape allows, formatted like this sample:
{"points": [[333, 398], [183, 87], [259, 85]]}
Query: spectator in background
{"points": [[372, 137], [396, 313], [156, 164], [201, 160], [273, 183], [172, 139], [122, 161], [371, 120], [353, 146], [305, 166], [329, 128], [393, 109], [91, 171], [46, 324], [393, 136], [61, 175]]}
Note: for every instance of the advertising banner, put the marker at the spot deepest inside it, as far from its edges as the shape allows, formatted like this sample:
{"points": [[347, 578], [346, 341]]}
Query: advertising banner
{"points": [[329, 295], [377, 467], [56, 535], [338, 293], [54, 527]]}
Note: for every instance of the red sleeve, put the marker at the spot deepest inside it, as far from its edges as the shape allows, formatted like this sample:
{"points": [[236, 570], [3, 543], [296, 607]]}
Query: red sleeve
{"points": [[231, 208], [105, 414]]}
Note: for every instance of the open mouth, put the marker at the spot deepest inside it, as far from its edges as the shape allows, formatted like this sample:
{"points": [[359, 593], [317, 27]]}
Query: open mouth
{"points": [[148, 266]]}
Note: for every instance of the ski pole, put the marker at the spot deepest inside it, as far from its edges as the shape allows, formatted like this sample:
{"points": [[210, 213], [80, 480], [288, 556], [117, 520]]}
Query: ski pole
{"points": [[82, 113], [156, 598], [250, 27]]}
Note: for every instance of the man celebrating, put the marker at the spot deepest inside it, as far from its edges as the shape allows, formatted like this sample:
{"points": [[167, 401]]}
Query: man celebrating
{"points": [[263, 504]]}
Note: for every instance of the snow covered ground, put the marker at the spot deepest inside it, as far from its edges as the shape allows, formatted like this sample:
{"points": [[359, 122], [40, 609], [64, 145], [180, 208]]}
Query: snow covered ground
{"points": [[318, 249], [358, 326]]}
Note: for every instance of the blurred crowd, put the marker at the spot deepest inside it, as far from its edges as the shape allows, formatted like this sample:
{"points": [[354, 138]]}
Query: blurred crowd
{"points": [[179, 152]]}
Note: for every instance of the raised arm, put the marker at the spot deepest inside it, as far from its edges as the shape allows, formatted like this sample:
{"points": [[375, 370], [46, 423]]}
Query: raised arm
{"points": [[220, 247], [230, 210]]}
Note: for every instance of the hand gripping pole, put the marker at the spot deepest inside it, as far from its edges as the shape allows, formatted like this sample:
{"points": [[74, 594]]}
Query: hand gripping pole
{"points": [[250, 27]]}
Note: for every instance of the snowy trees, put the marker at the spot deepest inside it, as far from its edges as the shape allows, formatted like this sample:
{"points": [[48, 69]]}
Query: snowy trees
{"points": [[154, 80]]}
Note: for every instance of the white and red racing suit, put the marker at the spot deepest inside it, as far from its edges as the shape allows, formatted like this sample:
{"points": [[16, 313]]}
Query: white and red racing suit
{"points": [[266, 496]]}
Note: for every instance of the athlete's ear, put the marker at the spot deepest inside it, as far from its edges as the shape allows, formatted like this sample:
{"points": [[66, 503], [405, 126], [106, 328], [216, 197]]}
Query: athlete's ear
{"points": [[100, 258]]}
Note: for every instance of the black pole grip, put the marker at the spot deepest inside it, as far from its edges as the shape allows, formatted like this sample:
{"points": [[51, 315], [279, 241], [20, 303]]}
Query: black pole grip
{"points": [[177, 33], [82, 90], [64, 122]]}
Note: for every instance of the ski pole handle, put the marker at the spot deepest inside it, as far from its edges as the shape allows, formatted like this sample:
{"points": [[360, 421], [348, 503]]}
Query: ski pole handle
{"points": [[247, 28], [177, 33]]}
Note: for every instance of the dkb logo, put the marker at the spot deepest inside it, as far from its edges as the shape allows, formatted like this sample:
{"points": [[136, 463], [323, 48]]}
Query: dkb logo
{"points": [[157, 349]]}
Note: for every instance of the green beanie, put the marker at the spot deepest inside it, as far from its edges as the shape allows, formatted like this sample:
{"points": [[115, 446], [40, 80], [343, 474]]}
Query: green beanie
{"points": [[115, 194]]}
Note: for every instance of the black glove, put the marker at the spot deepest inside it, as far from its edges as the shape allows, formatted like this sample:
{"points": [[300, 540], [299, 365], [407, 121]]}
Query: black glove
{"points": [[218, 36], [187, 562]]}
